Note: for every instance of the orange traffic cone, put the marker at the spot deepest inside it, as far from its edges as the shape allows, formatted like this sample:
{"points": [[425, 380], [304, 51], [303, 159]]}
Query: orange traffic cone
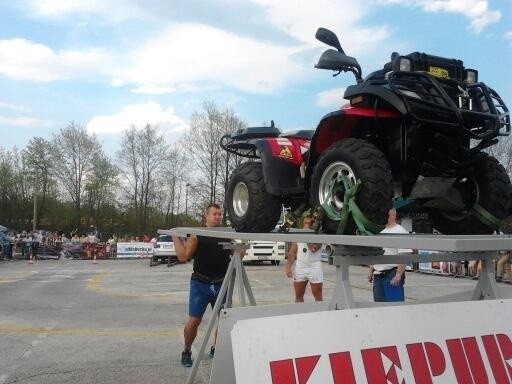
{"points": [[30, 261], [94, 259]]}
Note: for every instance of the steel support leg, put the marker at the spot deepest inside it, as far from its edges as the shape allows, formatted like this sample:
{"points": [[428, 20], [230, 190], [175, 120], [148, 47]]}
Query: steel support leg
{"points": [[486, 286], [342, 297], [235, 268]]}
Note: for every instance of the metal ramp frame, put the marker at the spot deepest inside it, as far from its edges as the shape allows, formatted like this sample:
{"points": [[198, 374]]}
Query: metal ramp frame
{"points": [[348, 250]]}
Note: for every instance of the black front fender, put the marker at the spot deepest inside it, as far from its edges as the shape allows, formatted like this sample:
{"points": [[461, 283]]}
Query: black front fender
{"points": [[282, 177], [379, 91]]}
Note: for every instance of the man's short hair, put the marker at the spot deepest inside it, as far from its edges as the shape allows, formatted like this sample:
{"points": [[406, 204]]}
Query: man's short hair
{"points": [[308, 216], [211, 205]]}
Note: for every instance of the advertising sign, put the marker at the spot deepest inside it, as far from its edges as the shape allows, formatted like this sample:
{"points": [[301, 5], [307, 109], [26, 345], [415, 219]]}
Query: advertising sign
{"points": [[136, 249], [463, 342]]}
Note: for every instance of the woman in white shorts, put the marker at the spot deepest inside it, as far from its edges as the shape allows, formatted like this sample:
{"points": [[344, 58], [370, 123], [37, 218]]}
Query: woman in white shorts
{"points": [[308, 266]]}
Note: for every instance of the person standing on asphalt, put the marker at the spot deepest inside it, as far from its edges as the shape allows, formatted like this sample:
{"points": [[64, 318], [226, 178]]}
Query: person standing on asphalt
{"points": [[388, 279], [503, 264], [211, 262], [37, 240], [308, 266]]}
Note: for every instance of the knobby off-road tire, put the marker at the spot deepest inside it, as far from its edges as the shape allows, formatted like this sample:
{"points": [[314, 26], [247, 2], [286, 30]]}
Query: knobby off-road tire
{"points": [[250, 208], [489, 186], [357, 159]]}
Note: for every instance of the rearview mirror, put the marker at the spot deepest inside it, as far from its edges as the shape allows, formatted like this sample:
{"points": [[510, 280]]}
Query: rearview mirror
{"points": [[328, 37]]}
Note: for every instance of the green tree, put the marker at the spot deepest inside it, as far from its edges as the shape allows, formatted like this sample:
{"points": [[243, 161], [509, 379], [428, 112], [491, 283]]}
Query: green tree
{"points": [[39, 160], [100, 188]]}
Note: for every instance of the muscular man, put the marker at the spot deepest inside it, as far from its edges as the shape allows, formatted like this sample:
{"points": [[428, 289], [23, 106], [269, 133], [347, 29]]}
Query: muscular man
{"points": [[210, 265]]}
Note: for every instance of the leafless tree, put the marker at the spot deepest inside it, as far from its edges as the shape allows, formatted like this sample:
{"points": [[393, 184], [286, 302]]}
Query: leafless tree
{"points": [[173, 184], [503, 152], [74, 154], [202, 145], [142, 156]]}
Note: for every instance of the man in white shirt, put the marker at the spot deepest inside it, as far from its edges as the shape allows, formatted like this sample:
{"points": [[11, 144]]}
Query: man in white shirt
{"points": [[388, 279]]}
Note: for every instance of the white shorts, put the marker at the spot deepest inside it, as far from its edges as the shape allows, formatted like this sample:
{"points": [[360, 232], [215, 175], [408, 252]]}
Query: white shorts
{"points": [[312, 273]]}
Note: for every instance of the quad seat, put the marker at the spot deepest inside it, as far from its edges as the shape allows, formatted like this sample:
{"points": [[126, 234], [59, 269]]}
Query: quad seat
{"points": [[300, 134]]}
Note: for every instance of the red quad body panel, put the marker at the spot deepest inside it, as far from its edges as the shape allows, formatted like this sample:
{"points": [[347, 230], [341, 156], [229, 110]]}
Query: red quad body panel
{"points": [[289, 149], [341, 125]]}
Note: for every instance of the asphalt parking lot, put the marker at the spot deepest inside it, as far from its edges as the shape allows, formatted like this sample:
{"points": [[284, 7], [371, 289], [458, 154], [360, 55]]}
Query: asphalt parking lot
{"points": [[120, 321]]}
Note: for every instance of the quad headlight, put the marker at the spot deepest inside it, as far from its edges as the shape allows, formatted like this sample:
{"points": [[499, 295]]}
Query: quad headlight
{"points": [[402, 63], [471, 76]]}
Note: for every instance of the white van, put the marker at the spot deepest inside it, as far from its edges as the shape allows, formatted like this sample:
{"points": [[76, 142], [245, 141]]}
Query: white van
{"points": [[265, 251]]}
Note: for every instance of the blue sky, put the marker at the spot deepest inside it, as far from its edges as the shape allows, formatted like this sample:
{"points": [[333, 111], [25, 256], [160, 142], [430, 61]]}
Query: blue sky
{"points": [[108, 64]]}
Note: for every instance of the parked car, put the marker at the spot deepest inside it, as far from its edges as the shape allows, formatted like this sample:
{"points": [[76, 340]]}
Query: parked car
{"points": [[260, 251], [163, 251]]}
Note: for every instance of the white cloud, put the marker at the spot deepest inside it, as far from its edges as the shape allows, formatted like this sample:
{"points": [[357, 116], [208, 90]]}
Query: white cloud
{"points": [[192, 56], [111, 10], [207, 58], [210, 56], [13, 107], [59, 7], [22, 59], [152, 89], [508, 37], [139, 115], [25, 122], [477, 11], [331, 98], [343, 17]]}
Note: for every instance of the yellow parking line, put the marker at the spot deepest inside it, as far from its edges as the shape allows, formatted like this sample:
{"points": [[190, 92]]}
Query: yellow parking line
{"points": [[96, 285], [17, 329], [13, 277]]}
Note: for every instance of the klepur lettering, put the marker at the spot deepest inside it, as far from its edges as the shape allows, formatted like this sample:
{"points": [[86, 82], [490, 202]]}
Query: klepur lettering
{"points": [[383, 365]]}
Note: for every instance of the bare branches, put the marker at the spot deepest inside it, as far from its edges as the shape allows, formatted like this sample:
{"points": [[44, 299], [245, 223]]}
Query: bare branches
{"points": [[75, 152], [142, 157], [202, 145]]}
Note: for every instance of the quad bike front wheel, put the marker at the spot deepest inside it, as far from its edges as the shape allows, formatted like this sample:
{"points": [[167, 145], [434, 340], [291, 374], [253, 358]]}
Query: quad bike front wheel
{"points": [[489, 186], [357, 160], [250, 207]]}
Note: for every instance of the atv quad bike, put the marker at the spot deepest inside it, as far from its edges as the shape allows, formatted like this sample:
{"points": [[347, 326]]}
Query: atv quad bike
{"points": [[415, 129]]}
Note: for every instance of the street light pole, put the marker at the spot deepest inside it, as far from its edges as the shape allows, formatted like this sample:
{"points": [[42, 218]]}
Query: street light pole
{"points": [[186, 199], [34, 218]]}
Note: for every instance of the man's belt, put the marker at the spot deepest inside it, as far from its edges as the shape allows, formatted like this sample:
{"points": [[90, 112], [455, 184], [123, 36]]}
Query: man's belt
{"points": [[385, 272], [206, 279]]}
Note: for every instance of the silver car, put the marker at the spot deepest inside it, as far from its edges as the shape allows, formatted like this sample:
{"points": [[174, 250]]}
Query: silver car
{"points": [[163, 251]]}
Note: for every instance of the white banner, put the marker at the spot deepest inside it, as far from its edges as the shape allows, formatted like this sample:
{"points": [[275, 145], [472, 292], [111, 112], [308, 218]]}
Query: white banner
{"points": [[136, 249], [462, 342]]}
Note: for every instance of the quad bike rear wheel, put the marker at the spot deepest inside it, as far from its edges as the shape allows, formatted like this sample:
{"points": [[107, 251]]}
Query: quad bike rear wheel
{"points": [[489, 186], [357, 160], [250, 208]]}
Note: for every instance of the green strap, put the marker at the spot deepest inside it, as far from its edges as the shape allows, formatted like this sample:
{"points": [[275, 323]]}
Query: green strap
{"points": [[486, 217], [365, 226]]}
